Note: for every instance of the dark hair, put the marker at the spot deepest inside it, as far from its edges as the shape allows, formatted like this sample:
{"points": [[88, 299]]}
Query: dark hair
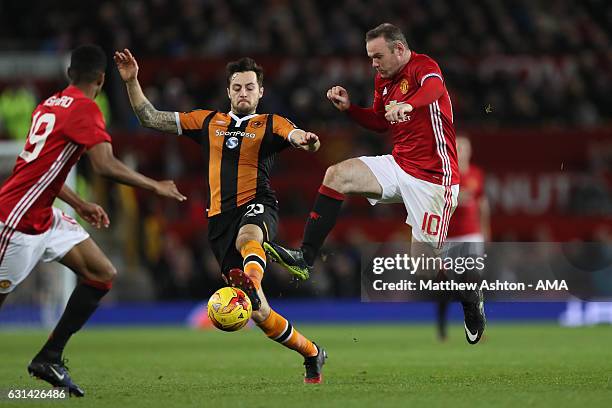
{"points": [[86, 63], [389, 32], [245, 64]]}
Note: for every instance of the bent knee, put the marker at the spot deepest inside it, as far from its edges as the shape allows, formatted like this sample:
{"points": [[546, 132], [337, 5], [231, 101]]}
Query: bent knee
{"points": [[106, 273], [111, 273], [334, 177], [241, 240], [339, 177], [251, 234]]}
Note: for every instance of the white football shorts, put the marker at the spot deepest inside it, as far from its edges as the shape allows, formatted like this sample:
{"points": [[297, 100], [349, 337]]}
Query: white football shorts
{"points": [[19, 252], [429, 206]]}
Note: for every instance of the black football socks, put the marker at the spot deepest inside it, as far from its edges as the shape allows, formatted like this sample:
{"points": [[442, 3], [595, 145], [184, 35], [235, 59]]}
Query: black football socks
{"points": [[82, 304], [320, 222]]}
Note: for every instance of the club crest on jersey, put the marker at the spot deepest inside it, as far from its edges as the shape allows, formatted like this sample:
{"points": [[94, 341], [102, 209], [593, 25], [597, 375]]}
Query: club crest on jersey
{"points": [[5, 284], [404, 86], [232, 142], [256, 124], [385, 91]]}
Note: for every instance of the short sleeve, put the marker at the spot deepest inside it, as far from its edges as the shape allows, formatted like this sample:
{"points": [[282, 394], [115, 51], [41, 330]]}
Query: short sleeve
{"points": [[427, 68], [87, 125], [282, 127], [194, 120]]}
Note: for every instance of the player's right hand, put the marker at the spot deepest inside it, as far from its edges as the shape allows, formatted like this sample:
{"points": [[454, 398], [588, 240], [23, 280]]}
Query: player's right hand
{"points": [[93, 214], [167, 188], [126, 64], [339, 97]]}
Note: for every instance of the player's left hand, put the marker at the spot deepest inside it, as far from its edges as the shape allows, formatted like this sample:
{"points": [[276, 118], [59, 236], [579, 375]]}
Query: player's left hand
{"points": [[304, 138], [126, 64], [93, 214], [399, 113]]}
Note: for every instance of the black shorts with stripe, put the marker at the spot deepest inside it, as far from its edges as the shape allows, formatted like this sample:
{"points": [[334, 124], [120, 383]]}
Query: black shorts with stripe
{"points": [[223, 229]]}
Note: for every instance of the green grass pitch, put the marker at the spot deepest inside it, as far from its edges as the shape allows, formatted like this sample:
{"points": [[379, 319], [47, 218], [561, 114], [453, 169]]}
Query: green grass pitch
{"points": [[369, 366]]}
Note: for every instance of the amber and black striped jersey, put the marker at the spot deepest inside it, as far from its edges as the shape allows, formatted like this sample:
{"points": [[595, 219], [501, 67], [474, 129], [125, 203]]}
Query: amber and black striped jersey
{"points": [[240, 152]]}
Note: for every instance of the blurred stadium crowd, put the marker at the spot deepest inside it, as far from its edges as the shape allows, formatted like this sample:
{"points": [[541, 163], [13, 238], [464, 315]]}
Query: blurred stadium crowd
{"points": [[537, 61], [516, 64]]}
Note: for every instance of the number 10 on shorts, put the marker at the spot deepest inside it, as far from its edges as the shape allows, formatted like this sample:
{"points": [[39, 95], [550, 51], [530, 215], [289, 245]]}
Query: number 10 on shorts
{"points": [[431, 223]]}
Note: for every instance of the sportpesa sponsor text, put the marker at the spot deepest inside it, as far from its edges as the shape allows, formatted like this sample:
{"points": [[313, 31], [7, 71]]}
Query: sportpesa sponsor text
{"points": [[236, 133]]}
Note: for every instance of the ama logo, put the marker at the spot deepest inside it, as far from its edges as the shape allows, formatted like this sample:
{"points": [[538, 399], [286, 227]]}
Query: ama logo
{"points": [[232, 142]]}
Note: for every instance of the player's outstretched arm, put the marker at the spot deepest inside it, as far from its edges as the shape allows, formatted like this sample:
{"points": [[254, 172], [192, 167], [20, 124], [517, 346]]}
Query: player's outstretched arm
{"points": [[304, 140], [90, 212], [107, 165], [146, 113]]}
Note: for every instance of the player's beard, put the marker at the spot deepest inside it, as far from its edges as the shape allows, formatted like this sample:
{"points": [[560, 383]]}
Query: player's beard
{"points": [[243, 108]]}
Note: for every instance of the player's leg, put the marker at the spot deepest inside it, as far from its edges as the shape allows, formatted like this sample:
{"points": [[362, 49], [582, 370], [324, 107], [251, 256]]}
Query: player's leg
{"points": [[364, 176], [69, 244], [257, 225], [95, 273], [248, 243], [351, 176], [275, 326], [278, 328], [430, 207], [95, 276], [472, 300], [253, 224]]}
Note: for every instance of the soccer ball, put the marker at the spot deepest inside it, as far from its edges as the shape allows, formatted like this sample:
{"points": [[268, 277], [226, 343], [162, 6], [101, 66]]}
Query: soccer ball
{"points": [[229, 309]]}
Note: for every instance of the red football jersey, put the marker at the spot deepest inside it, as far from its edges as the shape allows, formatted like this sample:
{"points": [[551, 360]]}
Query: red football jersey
{"points": [[466, 218], [424, 145], [63, 127]]}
